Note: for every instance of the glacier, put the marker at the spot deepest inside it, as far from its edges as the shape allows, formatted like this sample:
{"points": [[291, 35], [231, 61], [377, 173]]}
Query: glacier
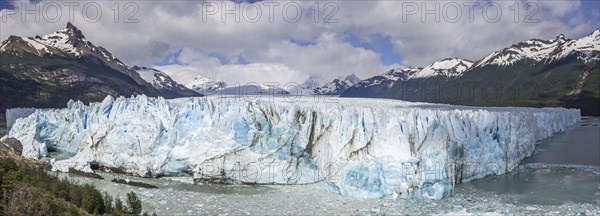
{"points": [[371, 148], [15, 113]]}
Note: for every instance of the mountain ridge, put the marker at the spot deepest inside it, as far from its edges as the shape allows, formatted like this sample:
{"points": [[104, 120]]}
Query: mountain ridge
{"points": [[556, 72], [47, 71]]}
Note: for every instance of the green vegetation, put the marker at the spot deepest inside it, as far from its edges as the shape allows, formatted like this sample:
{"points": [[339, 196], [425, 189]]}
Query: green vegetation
{"points": [[28, 190], [134, 203]]}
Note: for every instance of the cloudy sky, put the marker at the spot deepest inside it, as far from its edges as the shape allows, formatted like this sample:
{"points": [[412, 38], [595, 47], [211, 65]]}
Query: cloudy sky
{"points": [[288, 41]]}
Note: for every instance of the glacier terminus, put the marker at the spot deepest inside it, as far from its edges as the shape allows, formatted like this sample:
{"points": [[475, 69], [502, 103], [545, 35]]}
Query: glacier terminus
{"points": [[369, 148]]}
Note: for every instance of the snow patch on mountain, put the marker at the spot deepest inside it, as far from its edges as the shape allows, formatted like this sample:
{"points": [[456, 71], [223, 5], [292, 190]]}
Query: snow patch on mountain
{"points": [[209, 86], [203, 84], [157, 78], [545, 50], [61, 40], [450, 67], [312, 83], [588, 46], [67, 41], [356, 147], [337, 86], [401, 73], [254, 89], [587, 43], [41, 48], [389, 78]]}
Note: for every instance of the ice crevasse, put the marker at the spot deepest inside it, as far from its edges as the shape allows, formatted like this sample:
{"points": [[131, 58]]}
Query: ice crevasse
{"points": [[357, 147]]}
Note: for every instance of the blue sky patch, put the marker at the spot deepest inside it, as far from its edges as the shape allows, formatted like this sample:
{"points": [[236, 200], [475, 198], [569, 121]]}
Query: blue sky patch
{"points": [[378, 43]]}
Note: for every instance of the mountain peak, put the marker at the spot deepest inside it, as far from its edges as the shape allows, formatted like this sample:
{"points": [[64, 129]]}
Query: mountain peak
{"points": [[596, 33], [352, 78], [561, 38], [73, 32], [71, 26], [203, 84], [449, 67], [69, 41], [537, 50]]}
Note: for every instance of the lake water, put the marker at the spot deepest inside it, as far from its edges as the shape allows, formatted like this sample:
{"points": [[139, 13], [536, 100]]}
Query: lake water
{"points": [[564, 168]]}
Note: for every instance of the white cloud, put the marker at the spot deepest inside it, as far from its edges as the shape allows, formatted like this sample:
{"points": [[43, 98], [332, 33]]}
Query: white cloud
{"points": [[328, 57], [169, 26], [421, 43], [194, 62]]}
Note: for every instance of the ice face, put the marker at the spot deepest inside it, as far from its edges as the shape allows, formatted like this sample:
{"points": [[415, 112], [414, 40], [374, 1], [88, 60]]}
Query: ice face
{"points": [[13, 114], [358, 147]]}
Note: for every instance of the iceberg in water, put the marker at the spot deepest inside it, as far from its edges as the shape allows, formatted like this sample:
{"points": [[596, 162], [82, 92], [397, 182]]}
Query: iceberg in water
{"points": [[358, 147]]}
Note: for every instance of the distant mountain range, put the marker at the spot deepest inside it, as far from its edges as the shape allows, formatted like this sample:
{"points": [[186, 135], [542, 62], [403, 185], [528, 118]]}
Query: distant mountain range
{"points": [[49, 70], [313, 85], [335, 87], [206, 84], [209, 86], [534, 73]]}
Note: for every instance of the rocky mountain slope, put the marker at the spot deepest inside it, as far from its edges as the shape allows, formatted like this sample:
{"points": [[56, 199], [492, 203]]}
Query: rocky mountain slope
{"points": [[313, 85], [163, 82], [49, 70], [204, 84], [538, 73], [318, 86]]}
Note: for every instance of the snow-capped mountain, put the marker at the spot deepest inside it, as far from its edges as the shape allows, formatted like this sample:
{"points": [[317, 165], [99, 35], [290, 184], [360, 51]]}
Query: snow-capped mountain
{"points": [[203, 84], [65, 42], [335, 87], [64, 65], [557, 72], [447, 68], [68, 42], [207, 85], [546, 50], [389, 77], [450, 67], [252, 89], [162, 81], [401, 73], [313, 82]]}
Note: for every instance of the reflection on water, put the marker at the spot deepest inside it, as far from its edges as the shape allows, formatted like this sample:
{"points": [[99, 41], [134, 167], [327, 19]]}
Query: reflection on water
{"points": [[553, 186], [578, 145], [564, 168]]}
